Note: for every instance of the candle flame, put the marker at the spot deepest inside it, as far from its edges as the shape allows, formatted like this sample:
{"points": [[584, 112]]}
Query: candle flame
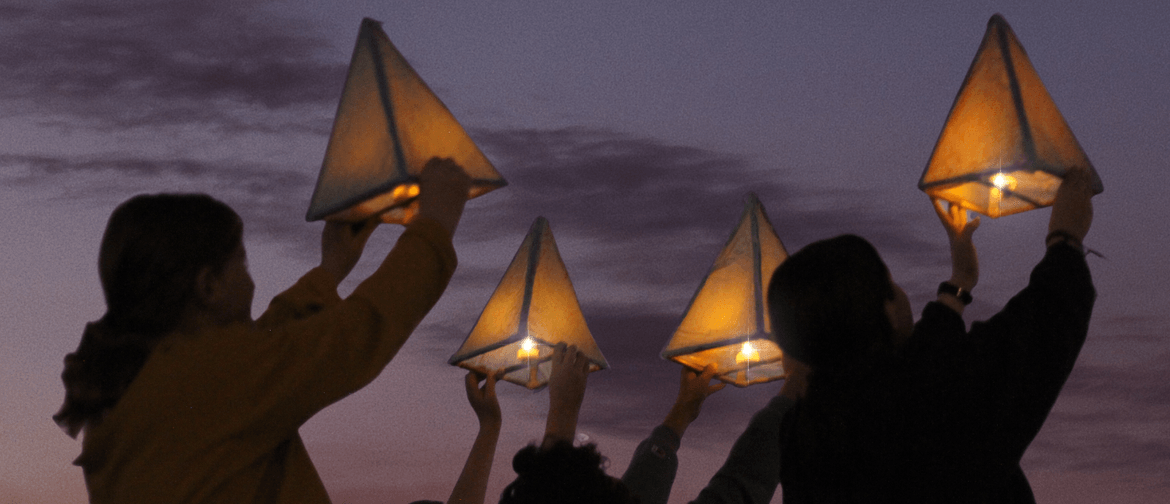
{"points": [[405, 191], [527, 349], [1002, 181], [747, 354]]}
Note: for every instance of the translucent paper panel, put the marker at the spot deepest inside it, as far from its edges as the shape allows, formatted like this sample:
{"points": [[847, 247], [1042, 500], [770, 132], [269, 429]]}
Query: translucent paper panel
{"points": [[1005, 145], [388, 125], [741, 366], [728, 308], [532, 309]]}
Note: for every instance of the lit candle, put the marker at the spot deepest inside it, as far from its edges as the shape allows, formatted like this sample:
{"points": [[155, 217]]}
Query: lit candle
{"points": [[528, 349], [747, 354], [1002, 181]]}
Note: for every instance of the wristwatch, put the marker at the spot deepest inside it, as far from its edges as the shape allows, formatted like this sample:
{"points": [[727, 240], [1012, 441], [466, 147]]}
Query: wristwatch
{"points": [[963, 295]]}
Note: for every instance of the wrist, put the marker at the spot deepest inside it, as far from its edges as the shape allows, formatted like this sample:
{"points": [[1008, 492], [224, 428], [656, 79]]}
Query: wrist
{"points": [[677, 422], [486, 424], [1059, 235], [956, 290]]}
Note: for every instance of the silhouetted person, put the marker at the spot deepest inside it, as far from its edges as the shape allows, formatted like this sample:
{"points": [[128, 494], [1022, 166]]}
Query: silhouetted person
{"points": [[557, 472], [183, 398], [879, 409], [926, 412]]}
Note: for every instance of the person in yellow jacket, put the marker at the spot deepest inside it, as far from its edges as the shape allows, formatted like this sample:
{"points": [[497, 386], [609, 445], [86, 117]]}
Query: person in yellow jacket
{"points": [[184, 398]]}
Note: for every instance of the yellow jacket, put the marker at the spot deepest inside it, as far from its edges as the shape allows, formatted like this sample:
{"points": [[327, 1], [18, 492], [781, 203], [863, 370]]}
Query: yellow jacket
{"points": [[213, 417]]}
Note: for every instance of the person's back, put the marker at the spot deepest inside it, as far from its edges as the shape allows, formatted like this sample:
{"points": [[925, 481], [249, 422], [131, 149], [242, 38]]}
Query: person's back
{"points": [[936, 413]]}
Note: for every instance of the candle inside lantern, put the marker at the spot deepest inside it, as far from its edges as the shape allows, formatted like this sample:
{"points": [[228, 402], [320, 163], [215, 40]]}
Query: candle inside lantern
{"points": [[1001, 183], [527, 349], [405, 191], [747, 353]]}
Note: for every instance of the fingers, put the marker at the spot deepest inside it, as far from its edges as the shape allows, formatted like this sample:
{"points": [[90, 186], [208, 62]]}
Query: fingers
{"points": [[939, 210], [709, 371], [948, 216], [488, 390], [471, 382], [1079, 181], [570, 356], [971, 226], [700, 382]]}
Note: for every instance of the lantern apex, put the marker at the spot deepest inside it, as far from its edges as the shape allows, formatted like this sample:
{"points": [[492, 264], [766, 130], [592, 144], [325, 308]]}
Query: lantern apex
{"points": [[1005, 146], [727, 322], [388, 125], [533, 309]]}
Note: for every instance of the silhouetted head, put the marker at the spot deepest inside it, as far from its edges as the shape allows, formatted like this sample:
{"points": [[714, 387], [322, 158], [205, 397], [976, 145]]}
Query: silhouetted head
{"points": [[833, 304], [152, 252], [563, 474]]}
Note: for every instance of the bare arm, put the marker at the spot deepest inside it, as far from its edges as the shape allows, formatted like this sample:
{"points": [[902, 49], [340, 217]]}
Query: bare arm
{"points": [[472, 485], [566, 392], [693, 389], [964, 260]]}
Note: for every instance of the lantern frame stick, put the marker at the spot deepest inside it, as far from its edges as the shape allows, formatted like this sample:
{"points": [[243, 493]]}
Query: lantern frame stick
{"points": [[731, 369]]}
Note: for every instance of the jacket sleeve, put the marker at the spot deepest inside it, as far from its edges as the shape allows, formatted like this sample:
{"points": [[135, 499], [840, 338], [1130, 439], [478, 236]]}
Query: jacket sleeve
{"points": [[310, 348], [654, 465], [752, 470], [1003, 377]]}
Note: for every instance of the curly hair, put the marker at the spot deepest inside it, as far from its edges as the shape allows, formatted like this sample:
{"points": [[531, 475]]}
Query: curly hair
{"points": [[563, 474], [152, 251]]}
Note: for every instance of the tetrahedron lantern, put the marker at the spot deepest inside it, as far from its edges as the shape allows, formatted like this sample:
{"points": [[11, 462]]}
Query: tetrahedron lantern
{"points": [[727, 321], [533, 308], [1005, 147], [388, 125]]}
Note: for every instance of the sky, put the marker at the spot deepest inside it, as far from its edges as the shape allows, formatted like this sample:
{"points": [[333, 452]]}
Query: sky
{"points": [[636, 129]]}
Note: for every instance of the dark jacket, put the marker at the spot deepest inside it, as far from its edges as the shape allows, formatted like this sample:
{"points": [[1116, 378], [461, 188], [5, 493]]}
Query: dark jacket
{"points": [[951, 415]]}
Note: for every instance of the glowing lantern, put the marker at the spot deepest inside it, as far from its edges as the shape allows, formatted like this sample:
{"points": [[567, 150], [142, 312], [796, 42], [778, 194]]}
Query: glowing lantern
{"points": [[533, 308], [388, 125], [727, 321], [1005, 146]]}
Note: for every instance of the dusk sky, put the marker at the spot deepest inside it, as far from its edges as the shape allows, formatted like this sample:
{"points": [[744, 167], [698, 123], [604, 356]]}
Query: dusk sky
{"points": [[636, 128]]}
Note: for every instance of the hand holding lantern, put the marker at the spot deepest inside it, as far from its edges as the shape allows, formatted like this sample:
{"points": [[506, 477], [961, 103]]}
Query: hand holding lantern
{"points": [[693, 389], [566, 392], [483, 399], [1072, 210], [388, 127], [472, 483], [1005, 146], [964, 260], [443, 192], [533, 309], [342, 245]]}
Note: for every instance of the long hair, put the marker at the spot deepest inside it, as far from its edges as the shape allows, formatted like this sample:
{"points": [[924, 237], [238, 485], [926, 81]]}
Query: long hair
{"points": [[828, 308], [152, 251]]}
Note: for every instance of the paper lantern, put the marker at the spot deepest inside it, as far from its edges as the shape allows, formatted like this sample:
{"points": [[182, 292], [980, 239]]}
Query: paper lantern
{"points": [[532, 310], [1005, 147], [388, 125], [727, 321]]}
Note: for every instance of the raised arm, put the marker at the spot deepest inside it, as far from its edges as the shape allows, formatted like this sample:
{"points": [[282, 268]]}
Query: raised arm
{"points": [[566, 392], [1072, 210], [654, 465], [693, 389], [1001, 378], [964, 260], [472, 485]]}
